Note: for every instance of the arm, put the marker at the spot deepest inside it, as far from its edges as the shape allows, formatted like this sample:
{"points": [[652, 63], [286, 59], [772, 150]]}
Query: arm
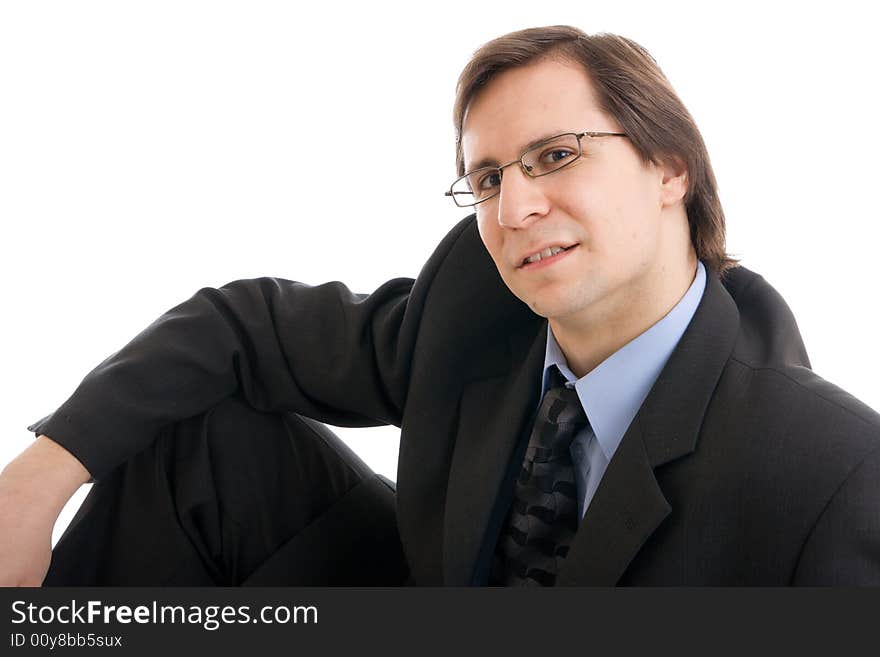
{"points": [[321, 351]]}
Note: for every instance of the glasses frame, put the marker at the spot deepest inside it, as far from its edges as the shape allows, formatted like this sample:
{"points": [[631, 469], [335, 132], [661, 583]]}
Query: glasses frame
{"points": [[525, 168]]}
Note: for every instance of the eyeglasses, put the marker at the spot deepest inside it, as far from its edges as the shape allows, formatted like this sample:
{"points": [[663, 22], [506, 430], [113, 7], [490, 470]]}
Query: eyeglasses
{"points": [[545, 158]]}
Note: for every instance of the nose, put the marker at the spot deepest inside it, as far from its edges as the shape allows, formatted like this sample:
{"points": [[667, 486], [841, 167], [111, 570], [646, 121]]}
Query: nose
{"points": [[521, 200]]}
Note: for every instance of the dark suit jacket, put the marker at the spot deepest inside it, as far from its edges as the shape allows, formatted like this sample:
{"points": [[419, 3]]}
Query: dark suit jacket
{"points": [[741, 467]]}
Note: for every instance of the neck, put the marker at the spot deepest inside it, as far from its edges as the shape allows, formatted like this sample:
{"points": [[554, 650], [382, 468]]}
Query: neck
{"points": [[588, 340]]}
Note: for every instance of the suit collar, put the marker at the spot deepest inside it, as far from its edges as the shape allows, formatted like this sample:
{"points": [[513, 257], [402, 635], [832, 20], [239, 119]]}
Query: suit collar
{"points": [[672, 414], [496, 412]]}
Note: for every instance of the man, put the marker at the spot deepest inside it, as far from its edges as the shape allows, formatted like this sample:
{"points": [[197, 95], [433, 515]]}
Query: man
{"points": [[637, 411]]}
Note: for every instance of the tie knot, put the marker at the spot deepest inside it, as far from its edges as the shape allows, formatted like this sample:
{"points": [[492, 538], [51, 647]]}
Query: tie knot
{"points": [[559, 419], [564, 406], [562, 403]]}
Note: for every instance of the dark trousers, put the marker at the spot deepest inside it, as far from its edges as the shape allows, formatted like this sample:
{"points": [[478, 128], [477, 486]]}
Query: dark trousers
{"points": [[236, 497]]}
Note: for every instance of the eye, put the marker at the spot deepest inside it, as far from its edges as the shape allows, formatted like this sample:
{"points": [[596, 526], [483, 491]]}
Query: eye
{"points": [[489, 180], [555, 156]]}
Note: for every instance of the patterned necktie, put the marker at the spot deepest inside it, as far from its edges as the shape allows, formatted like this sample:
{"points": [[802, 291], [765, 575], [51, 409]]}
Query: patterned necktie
{"points": [[543, 518]]}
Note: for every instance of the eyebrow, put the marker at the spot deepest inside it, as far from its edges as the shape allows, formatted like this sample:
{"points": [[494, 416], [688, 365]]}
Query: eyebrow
{"points": [[489, 161]]}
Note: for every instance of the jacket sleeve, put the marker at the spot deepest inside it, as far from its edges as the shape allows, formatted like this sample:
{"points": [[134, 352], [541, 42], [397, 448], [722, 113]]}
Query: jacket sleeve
{"points": [[321, 351], [843, 548]]}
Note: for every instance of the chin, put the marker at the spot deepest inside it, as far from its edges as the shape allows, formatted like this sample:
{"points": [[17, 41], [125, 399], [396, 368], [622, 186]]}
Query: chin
{"points": [[544, 307], [559, 306]]}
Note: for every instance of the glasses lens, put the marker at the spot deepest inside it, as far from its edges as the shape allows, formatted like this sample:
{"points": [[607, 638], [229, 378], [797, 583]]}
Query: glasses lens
{"points": [[552, 155], [476, 186]]}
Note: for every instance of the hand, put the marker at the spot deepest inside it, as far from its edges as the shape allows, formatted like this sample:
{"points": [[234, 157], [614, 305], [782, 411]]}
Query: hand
{"points": [[33, 490]]}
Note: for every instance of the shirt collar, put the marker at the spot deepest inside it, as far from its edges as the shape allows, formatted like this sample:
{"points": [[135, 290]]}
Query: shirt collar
{"points": [[613, 392]]}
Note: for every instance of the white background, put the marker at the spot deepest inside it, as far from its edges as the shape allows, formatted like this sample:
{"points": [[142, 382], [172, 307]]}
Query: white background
{"points": [[148, 149]]}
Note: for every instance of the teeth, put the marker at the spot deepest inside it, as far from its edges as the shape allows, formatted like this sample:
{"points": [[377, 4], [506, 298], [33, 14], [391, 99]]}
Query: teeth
{"points": [[546, 253]]}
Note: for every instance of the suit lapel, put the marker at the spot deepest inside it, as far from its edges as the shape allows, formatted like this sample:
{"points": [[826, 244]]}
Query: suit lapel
{"points": [[493, 415], [629, 504], [626, 509]]}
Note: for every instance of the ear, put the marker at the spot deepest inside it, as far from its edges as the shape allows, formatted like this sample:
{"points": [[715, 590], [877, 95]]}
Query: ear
{"points": [[674, 180]]}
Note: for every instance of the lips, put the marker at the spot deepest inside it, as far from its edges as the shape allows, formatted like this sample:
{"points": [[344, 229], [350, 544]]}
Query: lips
{"points": [[544, 252]]}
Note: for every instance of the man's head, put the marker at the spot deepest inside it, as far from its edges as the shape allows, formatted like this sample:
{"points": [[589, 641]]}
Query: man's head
{"points": [[632, 205]]}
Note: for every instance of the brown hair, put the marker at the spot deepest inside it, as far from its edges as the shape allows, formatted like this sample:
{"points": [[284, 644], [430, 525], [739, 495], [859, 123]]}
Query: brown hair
{"points": [[632, 89]]}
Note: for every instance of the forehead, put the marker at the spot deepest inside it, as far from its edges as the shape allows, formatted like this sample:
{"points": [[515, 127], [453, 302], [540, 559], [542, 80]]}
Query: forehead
{"points": [[528, 103]]}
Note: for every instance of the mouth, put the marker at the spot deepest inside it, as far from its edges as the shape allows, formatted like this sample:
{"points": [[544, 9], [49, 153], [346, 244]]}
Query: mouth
{"points": [[546, 256]]}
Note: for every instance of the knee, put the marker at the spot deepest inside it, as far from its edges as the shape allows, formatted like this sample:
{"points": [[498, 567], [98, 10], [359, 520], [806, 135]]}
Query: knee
{"points": [[243, 443], [253, 456]]}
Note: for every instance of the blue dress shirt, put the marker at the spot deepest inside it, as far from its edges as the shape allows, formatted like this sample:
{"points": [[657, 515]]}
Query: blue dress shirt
{"points": [[612, 393]]}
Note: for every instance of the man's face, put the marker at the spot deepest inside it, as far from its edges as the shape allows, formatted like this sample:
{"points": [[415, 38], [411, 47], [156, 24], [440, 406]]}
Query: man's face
{"points": [[608, 207]]}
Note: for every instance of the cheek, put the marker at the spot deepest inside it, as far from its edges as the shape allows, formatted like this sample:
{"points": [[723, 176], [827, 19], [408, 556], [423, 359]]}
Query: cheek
{"points": [[490, 233], [621, 219], [598, 214]]}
